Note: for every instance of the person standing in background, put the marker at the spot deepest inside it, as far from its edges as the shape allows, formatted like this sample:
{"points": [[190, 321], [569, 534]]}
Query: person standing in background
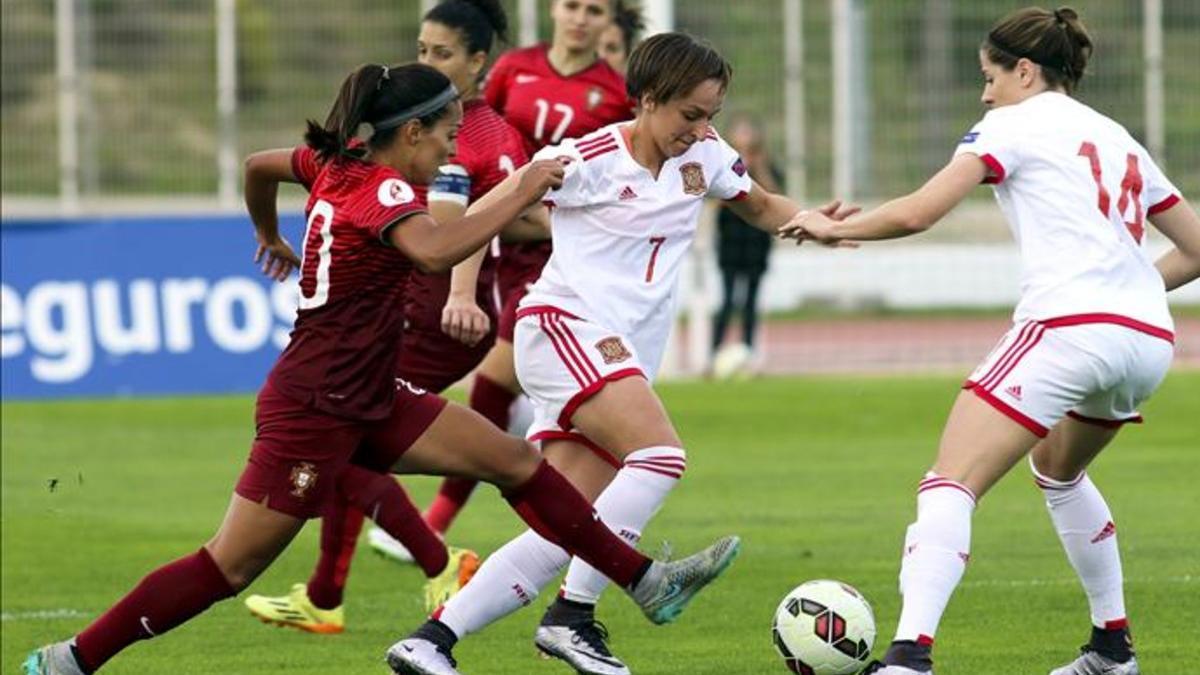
{"points": [[743, 250]]}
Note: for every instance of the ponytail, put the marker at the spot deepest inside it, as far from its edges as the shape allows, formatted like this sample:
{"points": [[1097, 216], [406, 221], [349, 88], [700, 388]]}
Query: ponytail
{"points": [[384, 97]]}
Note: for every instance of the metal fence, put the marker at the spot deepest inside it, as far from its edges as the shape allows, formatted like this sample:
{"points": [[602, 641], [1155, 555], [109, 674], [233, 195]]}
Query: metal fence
{"points": [[115, 98]]}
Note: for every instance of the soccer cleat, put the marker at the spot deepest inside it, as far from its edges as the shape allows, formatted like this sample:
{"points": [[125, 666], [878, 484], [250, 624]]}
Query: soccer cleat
{"points": [[461, 567], [1093, 663], [54, 659], [415, 656], [667, 587], [385, 545], [295, 610], [877, 668], [582, 646]]}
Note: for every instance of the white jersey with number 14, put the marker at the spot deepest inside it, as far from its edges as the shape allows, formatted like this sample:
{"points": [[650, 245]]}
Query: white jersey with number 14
{"points": [[621, 234], [1076, 189]]}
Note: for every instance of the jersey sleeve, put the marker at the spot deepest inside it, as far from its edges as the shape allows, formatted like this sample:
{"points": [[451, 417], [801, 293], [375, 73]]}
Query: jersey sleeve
{"points": [[994, 141], [495, 85], [574, 189], [384, 202], [1159, 192], [452, 184], [305, 165], [730, 179]]}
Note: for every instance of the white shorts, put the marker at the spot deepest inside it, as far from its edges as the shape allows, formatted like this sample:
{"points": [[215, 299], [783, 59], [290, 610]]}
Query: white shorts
{"points": [[561, 362], [1096, 368]]}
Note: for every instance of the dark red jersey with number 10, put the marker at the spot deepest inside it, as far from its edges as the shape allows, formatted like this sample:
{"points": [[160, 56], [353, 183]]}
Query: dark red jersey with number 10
{"points": [[342, 355]]}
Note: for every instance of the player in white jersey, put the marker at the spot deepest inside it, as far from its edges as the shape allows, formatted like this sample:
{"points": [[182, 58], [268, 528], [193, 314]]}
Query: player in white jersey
{"points": [[1092, 337], [592, 330]]}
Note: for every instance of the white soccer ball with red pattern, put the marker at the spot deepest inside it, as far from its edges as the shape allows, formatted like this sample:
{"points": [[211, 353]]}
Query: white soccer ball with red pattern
{"points": [[824, 628]]}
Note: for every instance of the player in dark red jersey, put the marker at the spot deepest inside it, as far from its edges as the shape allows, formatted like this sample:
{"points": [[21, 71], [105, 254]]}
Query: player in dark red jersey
{"points": [[548, 92], [456, 38], [331, 419]]}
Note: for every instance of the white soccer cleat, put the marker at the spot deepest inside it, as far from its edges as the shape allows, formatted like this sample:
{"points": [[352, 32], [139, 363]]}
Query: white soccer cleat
{"points": [[582, 646], [878, 668], [414, 656], [1092, 663], [385, 545]]}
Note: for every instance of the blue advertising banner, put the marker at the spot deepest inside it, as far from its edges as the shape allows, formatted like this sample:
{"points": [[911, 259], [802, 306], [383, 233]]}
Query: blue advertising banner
{"points": [[138, 306]]}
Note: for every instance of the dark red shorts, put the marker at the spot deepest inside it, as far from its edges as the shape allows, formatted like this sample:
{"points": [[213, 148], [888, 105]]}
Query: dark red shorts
{"points": [[435, 361], [298, 451], [520, 265]]}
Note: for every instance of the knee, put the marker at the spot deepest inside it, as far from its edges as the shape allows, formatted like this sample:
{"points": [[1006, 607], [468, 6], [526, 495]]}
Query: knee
{"points": [[1047, 465], [512, 464], [239, 573]]}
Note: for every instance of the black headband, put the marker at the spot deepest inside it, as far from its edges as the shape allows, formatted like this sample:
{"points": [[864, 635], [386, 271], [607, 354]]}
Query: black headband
{"points": [[419, 110]]}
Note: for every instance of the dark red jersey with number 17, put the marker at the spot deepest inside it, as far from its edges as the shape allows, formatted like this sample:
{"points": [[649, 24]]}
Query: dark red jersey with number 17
{"points": [[342, 355]]}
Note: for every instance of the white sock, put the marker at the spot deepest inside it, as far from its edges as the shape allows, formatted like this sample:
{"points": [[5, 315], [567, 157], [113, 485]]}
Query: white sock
{"points": [[509, 579], [936, 550], [626, 505], [1085, 527]]}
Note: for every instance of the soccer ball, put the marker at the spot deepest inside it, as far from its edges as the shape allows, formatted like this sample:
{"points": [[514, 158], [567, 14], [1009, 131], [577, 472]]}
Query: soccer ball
{"points": [[732, 360], [824, 628]]}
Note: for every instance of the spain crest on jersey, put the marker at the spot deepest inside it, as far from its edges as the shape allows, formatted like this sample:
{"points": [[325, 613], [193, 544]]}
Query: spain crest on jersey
{"points": [[694, 182], [304, 476], [594, 98], [613, 350]]}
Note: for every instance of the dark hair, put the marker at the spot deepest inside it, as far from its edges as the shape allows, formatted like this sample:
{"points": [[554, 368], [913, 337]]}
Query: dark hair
{"points": [[478, 20], [1057, 41], [375, 94], [628, 17], [668, 65]]}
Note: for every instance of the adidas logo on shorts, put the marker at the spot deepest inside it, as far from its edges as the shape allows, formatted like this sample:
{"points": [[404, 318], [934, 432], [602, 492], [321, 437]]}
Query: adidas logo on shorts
{"points": [[1014, 391]]}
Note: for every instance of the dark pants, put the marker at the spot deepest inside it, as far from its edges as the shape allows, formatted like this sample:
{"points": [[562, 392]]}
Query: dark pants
{"points": [[733, 280]]}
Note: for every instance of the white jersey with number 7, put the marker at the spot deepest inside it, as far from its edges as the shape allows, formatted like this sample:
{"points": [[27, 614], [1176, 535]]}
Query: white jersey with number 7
{"points": [[620, 234], [1076, 189]]}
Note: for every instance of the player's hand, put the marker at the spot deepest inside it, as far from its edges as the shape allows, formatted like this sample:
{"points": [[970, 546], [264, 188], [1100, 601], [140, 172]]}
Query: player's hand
{"points": [[540, 176], [277, 257], [817, 226], [464, 321], [836, 210]]}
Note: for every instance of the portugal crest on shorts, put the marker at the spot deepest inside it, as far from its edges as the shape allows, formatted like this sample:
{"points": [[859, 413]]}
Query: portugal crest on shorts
{"points": [[693, 178], [613, 350], [304, 476]]}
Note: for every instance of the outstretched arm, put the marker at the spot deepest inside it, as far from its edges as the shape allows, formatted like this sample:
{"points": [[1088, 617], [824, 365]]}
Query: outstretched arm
{"points": [[769, 211], [264, 171], [1180, 224], [435, 248], [908, 215]]}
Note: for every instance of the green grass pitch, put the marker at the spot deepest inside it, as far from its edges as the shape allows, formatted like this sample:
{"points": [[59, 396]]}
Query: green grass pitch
{"points": [[817, 475]]}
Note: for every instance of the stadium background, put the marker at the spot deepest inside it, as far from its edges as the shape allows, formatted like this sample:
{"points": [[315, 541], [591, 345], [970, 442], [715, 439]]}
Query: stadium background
{"points": [[130, 275]]}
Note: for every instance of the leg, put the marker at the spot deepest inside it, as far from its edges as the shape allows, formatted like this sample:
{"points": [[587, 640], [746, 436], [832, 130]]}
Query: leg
{"points": [[514, 575], [493, 391], [251, 536], [340, 526], [750, 308], [1086, 528], [721, 322], [461, 443], [978, 446]]}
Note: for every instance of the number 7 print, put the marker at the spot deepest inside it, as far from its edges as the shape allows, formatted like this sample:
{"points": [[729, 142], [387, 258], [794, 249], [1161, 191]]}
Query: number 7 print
{"points": [[657, 243]]}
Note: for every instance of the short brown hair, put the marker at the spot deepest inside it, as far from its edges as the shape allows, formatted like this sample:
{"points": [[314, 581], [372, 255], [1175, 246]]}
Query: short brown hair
{"points": [[669, 65], [1057, 41]]}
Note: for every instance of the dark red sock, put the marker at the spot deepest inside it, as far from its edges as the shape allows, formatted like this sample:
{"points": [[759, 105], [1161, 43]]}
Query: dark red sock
{"points": [[451, 497], [165, 598], [556, 510], [493, 402], [381, 498], [340, 526]]}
